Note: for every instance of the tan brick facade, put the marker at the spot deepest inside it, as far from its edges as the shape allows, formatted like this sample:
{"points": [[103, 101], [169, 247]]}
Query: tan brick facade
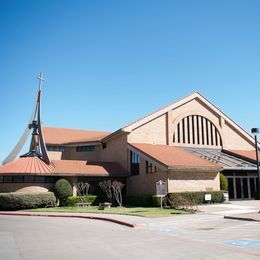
{"points": [[145, 183], [192, 117]]}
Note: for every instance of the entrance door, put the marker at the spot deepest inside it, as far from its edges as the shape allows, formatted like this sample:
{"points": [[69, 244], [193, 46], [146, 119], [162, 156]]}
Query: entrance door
{"points": [[241, 187], [252, 184]]}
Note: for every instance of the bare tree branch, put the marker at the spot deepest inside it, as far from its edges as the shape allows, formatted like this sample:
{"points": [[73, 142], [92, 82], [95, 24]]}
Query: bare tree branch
{"points": [[82, 188], [117, 187], [106, 186]]}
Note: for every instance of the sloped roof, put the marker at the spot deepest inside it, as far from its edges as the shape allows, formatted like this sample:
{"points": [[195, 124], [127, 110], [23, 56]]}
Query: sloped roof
{"points": [[72, 167], [53, 135], [27, 165], [35, 166], [249, 155], [226, 160], [174, 157]]}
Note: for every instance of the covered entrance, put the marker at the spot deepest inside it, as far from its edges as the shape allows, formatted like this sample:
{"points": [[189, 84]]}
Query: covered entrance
{"points": [[241, 186], [241, 174]]}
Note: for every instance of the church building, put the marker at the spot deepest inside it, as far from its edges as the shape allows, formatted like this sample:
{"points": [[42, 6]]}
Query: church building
{"points": [[187, 144]]}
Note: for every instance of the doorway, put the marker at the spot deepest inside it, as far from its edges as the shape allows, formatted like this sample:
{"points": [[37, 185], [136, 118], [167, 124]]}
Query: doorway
{"points": [[241, 187]]}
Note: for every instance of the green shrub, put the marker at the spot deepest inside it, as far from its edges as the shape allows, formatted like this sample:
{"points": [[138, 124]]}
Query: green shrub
{"points": [[19, 200], [62, 191], [194, 198], [223, 182], [72, 201], [157, 200], [138, 200], [179, 201]]}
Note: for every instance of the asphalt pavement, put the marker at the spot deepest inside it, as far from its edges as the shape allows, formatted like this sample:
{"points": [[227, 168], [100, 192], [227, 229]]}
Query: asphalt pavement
{"points": [[205, 235]]}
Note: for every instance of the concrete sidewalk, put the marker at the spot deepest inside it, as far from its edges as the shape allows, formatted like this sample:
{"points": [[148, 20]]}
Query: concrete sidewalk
{"points": [[247, 210], [231, 208]]}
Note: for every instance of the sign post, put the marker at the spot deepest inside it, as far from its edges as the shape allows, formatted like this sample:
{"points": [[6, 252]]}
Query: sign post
{"points": [[161, 190]]}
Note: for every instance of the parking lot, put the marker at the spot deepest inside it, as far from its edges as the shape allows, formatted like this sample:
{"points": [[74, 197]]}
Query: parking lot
{"points": [[200, 236]]}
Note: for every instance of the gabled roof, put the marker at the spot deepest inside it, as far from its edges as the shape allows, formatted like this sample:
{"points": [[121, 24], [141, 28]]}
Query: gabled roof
{"points": [[61, 136], [175, 157], [196, 95]]}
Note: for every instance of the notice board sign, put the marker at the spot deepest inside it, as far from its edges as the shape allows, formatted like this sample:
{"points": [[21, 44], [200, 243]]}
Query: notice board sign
{"points": [[161, 189]]}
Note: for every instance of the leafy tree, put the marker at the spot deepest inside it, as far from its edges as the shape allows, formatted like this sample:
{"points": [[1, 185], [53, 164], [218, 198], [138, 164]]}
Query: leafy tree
{"points": [[223, 182]]}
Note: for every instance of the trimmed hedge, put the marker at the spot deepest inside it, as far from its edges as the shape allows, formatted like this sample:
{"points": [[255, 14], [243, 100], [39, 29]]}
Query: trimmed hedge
{"points": [[19, 200], [62, 190], [72, 201], [138, 200], [197, 197], [157, 200]]}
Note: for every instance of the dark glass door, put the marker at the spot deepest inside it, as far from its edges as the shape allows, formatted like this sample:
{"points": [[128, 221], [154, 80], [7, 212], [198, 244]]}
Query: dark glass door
{"points": [[252, 187], [230, 188], [245, 188], [238, 188]]}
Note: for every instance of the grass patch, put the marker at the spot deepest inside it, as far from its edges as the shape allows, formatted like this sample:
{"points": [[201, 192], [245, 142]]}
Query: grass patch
{"points": [[151, 212]]}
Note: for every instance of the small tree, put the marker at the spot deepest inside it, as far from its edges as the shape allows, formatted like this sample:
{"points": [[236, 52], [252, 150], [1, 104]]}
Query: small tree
{"points": [[117, 187], [82, 188], [223, 182], [106, 186], [62, 191]]}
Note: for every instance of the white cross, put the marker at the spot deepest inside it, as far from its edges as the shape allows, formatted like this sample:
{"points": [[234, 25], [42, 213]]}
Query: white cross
{"points": [[41, 79]]}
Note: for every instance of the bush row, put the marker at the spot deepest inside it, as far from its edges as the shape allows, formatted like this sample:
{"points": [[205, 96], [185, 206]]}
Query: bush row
{"points": [[196, 197], [72, 201], [16, 201]]}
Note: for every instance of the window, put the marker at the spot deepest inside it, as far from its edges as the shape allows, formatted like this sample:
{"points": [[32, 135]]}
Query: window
{"points": [[54, 148], [50, 179], [134, 163], [29, 179], [86, 148], [150, 168], [8, 179], [17, 179], [39, 179], [197, 130]]}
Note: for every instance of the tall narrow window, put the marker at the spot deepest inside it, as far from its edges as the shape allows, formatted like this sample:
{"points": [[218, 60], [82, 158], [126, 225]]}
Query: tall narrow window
{"points": [[150, 168], [134, 163]]}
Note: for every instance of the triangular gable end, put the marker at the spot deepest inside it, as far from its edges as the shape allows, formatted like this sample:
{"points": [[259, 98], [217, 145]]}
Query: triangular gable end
{"points": [[138, 123]]}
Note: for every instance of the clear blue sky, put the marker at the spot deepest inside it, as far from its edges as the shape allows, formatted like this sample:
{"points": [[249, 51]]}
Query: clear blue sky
{"points": [[108, 63]]}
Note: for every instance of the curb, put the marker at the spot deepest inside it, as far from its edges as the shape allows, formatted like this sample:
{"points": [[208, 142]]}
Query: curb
{"points": [[241, 218], [70, 216]]}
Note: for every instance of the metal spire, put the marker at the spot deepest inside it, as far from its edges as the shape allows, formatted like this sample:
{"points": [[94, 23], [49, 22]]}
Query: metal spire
{"points": [[37, 141], [41, 79]]}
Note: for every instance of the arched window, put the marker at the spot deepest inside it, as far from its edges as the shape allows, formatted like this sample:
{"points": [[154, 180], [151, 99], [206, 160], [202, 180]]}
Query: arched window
{"points": [[197, 130]]}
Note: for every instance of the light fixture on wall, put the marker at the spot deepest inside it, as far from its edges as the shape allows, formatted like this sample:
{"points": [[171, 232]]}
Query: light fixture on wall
{"points": [[255, 132]]}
